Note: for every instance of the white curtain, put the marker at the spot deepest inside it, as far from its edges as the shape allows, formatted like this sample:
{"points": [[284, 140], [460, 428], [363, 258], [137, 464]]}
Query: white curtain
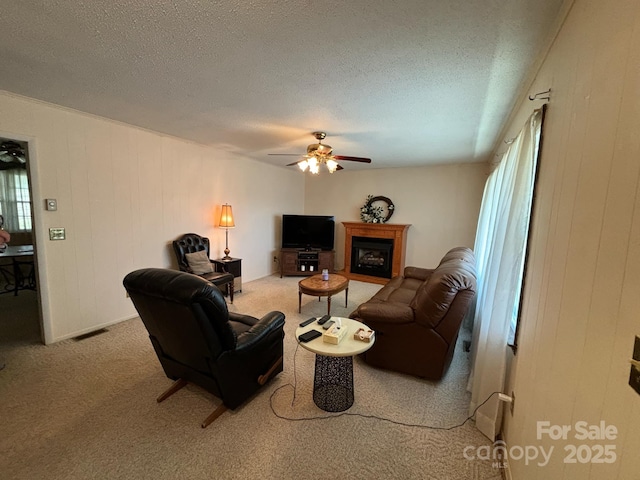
{"points": [[15, 204], [500, 250]]}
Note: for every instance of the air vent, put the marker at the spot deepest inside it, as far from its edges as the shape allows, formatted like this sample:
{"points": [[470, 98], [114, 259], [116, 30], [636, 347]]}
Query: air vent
{"points": [[90, 334]]}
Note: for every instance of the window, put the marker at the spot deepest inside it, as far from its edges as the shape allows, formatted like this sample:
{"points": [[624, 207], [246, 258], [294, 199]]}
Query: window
{"points": [[517, 310], [15, 203], [502, 238]]}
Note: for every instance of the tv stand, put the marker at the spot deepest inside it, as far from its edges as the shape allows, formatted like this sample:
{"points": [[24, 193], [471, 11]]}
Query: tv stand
{"points": [[305, 262]]}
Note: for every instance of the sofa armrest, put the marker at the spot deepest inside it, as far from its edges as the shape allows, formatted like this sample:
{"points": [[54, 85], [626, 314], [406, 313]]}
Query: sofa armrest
{"points": [[387, 312], [418, 273], [269, 323]]}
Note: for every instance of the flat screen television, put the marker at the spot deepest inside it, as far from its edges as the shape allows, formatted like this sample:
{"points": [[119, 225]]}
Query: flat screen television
{"points": [[308, 231]]}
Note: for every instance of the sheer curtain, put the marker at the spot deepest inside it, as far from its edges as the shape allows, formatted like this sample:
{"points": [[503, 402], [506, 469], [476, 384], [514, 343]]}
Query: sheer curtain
{"points": [[500, 248], [15, 204]]}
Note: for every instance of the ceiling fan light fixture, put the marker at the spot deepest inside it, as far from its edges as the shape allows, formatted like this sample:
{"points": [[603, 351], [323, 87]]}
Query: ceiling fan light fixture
{"points": [[12, 152], [314, 166], [332, 165], [320, 153]]}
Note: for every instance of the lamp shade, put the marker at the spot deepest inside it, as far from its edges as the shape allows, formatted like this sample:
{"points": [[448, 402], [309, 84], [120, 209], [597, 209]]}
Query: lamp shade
{"points": [[226, 217]]}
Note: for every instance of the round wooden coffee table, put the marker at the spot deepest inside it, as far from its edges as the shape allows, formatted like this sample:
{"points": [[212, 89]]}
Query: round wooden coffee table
{"points": [[318, 287]]}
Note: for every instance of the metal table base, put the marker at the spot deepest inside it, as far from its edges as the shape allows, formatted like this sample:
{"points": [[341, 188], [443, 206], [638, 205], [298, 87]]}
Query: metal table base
{"points": [[333, 383]]}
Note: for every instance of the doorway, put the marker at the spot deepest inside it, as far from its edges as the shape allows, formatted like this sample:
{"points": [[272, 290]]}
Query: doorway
{"points": [[20, 313]]}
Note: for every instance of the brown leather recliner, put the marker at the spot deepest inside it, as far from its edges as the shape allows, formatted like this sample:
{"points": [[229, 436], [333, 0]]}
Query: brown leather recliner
{"points": [[192, 242], [417, 316], [197, 339]]}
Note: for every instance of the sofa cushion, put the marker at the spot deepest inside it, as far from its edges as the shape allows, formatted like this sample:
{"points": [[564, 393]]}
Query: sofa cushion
{"points": [[418, 273], [199, 262], [398, 290]]}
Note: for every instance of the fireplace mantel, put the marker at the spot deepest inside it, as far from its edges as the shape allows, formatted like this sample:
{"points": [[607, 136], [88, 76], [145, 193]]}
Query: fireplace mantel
{"points": [[396, 232]]}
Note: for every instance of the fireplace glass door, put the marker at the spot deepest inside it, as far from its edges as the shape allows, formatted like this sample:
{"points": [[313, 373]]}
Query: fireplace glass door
{"points": [[372, 256]]}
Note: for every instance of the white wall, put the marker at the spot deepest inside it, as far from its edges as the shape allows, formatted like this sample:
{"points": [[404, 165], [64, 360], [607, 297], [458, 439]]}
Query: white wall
{"points": [[123, 194], [440, 202], [582, 302]]}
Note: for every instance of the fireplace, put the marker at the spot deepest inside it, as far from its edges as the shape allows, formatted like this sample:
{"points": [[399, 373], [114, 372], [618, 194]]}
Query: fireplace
{"points": [[372, 256], [380, 251]]}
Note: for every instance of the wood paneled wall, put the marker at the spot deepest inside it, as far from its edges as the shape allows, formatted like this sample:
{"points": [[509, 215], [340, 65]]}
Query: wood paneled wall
{"points": [[581, 308]]}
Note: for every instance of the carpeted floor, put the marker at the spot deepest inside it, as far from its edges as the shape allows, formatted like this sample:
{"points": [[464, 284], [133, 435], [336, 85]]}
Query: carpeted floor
{"points": [[86, 409]]}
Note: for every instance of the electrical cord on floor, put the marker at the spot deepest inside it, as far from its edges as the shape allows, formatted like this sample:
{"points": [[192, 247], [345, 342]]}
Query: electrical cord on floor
{"points": [[326, 417]]}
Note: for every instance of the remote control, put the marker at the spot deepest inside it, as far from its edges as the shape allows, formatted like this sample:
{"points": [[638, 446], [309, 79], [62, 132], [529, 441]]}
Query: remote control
{"points": [[307, 322], [327, 325], [310, 335], [323, 319]]}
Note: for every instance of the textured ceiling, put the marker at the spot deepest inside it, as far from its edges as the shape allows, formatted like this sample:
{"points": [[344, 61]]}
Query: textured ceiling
{"points": [[406, 82]]}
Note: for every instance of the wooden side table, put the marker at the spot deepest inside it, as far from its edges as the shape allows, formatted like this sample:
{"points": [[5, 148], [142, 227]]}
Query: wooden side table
{"points": [[318, 287], [234, 267]]}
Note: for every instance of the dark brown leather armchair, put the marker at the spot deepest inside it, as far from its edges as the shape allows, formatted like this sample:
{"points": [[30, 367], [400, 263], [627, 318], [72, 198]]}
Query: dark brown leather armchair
{"points": [[198, 340], [417, 316], [191, 243]]}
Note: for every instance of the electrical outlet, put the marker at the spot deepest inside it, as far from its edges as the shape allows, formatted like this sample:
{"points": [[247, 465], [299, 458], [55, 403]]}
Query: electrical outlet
{"points": [[513, 402], [634, 374], [634, 379]]}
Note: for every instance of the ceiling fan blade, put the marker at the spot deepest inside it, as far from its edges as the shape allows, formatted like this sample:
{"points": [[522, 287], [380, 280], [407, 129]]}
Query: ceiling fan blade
{"points": [[339, 168], [352, 159], [291, 164]]}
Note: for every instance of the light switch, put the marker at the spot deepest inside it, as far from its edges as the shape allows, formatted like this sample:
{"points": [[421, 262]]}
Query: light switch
{"points": [[51, 204], [56, 234]]}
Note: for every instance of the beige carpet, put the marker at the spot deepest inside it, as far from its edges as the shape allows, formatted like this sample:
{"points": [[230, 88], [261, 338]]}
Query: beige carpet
{"points": [[86, 410]]}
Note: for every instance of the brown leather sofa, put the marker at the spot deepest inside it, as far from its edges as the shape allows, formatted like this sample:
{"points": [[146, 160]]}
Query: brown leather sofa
{"points": [[417, 316]]}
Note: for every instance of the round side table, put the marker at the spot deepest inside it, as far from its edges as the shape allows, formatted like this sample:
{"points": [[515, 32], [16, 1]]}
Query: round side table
{"points": [[333, 379]]}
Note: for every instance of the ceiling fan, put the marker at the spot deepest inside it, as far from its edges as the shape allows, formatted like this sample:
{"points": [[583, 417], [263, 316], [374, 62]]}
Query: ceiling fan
{"points": [[12, 152], [320, 153]]}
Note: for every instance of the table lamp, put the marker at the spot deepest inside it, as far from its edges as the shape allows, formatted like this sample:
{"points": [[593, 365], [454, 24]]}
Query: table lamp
{"points": [[226, 222]]}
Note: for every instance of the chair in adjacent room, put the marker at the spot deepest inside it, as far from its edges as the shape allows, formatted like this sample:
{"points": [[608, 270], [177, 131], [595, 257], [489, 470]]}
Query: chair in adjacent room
{"points": [[197, 340], [192, 253]]}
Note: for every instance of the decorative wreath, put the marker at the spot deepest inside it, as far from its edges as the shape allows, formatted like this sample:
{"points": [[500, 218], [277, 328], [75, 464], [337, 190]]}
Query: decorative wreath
{"points": [[370, 213]]}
